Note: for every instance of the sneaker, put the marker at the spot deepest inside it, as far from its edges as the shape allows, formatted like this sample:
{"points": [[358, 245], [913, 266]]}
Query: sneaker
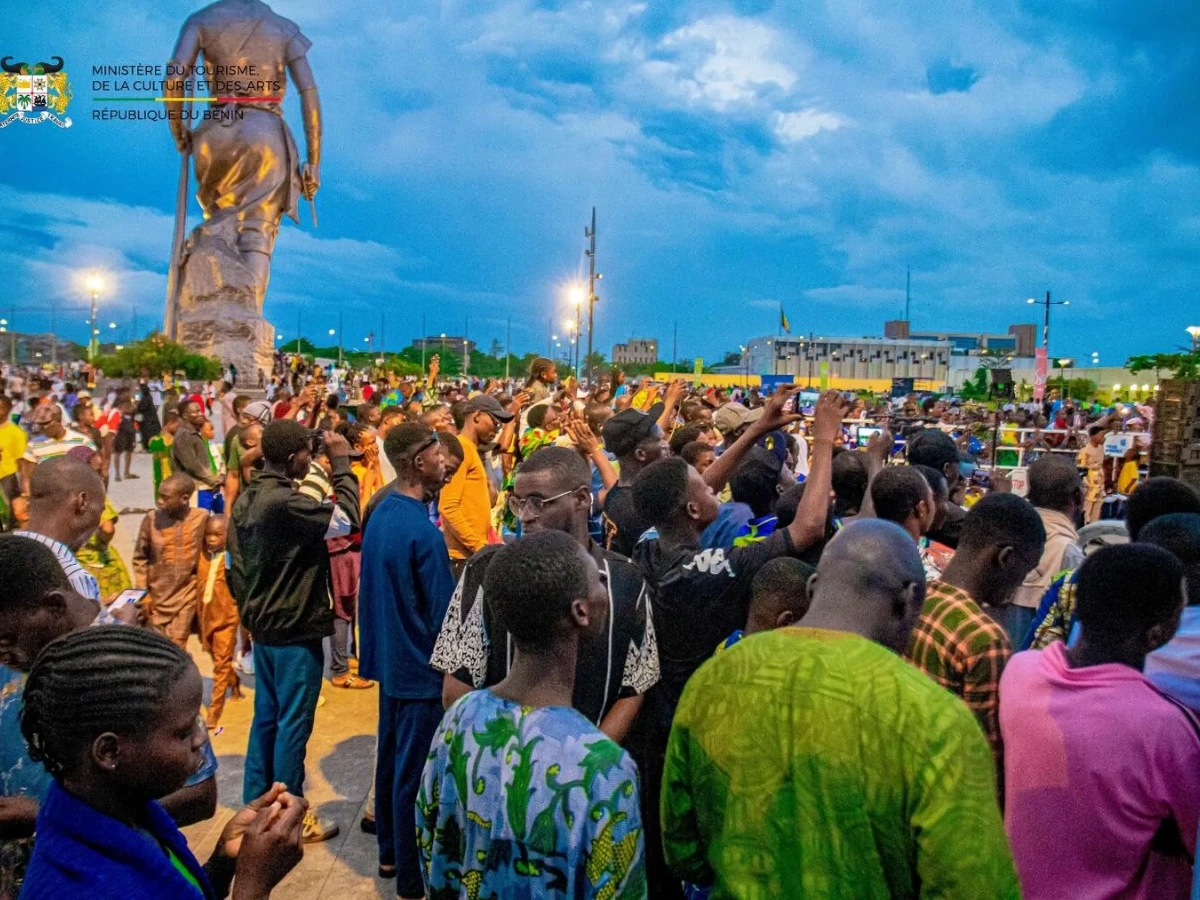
{"points": [[352, 682], [315, 830], [245, 663], [367, 824]]}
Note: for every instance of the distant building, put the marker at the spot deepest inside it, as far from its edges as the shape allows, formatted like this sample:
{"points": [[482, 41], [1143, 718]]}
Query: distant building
{"points": [[847, 360], [450, 343], [1019, 341], [636, 351], [38, 349]]}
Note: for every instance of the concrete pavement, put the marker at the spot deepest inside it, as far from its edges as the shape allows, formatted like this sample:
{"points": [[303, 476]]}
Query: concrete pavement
{"points": [[340, 762]]}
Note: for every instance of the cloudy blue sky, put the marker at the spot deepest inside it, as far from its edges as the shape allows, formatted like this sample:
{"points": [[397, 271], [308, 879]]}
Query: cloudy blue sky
{"points": [[742, 154]]}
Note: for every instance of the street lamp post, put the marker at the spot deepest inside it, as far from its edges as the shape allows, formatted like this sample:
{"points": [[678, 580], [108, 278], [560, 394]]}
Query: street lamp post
{"points": [[577, 297], [593, 277], [94, 284], [1047, 303]]}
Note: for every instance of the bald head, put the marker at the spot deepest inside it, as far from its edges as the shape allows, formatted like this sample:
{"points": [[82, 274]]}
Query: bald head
{"points": [[870, 581], [56, 479], [1054, 484], [66, 499]]}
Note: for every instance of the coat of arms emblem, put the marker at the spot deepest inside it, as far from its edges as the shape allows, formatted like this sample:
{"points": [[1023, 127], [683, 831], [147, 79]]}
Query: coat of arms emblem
{"points": [[33, 93]]}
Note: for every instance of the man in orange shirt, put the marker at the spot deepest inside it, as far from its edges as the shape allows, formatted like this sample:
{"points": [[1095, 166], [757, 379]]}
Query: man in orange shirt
{"points": [[466, 504]]}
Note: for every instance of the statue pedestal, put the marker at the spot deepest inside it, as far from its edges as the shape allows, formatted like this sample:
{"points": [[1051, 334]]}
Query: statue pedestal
{"points": [[219, 305], [232, 334]]}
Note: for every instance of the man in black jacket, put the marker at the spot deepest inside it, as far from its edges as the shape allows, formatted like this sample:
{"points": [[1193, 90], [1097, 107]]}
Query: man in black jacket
{"points": [[189, 453], [280, 580]]}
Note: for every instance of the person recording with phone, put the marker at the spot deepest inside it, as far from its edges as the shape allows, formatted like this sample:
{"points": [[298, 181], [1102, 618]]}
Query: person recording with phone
{"points": [[280, 580], [38, 606]]}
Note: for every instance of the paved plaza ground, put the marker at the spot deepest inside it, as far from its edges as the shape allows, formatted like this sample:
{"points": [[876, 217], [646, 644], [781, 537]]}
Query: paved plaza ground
{"points": [[340, 755]]}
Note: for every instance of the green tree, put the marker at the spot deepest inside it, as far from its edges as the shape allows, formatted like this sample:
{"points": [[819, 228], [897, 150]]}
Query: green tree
{"points": [[1081, 389], [156, 356], [1184, 366], [976, 388]]}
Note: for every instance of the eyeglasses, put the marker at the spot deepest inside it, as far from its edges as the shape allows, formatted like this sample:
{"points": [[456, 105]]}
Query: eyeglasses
{"points": [[535, 505]]}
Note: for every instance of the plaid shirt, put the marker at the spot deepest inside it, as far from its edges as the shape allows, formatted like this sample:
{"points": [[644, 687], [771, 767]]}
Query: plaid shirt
{"points": [[962, 648]]}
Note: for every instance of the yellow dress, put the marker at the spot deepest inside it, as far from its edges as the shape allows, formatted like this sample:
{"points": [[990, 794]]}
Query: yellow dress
{"points": [[105, 563]]}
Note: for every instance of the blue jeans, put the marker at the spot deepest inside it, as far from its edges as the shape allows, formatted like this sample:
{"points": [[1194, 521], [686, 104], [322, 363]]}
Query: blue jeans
{"points": [[406, 730], [287, 685]]}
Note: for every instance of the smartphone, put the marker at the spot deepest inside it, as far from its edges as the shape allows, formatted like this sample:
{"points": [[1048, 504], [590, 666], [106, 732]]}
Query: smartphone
{"points": [[982, 478], [865, 433], [133, 595]]}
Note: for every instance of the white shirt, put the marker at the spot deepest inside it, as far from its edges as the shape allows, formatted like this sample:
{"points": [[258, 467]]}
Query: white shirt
{"points": [[81, 581]]}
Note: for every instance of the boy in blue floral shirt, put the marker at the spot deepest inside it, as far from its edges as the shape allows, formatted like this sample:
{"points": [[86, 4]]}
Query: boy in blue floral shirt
{"points": [[523, 797]]}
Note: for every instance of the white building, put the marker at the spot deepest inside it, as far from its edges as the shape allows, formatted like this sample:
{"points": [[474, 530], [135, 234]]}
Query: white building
{"points": [[636, 351], [849, 358]]}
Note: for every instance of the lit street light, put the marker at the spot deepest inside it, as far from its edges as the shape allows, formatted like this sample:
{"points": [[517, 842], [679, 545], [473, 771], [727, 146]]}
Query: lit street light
{"points": [[95, 283]]}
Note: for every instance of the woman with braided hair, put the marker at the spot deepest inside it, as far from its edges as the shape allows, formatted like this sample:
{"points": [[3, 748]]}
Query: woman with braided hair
{"points": [[112, 713]]}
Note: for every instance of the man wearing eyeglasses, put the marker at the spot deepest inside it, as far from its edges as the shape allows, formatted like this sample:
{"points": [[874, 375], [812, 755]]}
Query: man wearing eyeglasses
{"points": [[466, 504], [551, 492]]}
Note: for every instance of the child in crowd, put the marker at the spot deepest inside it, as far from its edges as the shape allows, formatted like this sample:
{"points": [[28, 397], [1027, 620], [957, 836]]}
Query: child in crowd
{"points": [[217, 618], [111, 713], [213, 501], [160, 449], [166, 555]]}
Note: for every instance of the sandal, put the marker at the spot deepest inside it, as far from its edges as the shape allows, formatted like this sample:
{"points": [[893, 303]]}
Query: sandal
{"points": [[352, 682]]}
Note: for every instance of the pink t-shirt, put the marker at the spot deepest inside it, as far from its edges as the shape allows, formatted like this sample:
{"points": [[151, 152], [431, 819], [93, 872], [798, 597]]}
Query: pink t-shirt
{"points": [[1097, 763]]}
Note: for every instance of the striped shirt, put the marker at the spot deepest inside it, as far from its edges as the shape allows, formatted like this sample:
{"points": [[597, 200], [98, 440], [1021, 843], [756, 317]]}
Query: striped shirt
{"points": [[962, 648], [42, 448], [81, 581]]}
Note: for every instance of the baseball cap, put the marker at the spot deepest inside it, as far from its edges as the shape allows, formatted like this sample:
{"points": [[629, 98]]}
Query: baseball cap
{"points": [[624, 431], [490, 405], [731, 417], [259, 410], [776, 443]]}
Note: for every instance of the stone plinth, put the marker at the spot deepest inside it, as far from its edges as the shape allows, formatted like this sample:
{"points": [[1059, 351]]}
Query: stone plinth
{"points": [[233, 334], [219, 305]]}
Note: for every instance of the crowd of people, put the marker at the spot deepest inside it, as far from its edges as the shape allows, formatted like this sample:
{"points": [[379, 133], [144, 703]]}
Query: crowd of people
{"points": [[628, 639]]}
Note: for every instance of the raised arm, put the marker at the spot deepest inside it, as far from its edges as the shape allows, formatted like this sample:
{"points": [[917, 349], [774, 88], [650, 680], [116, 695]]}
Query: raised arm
{"points": [[773, 419], [674, 395], [878, 449], [809, 524]]}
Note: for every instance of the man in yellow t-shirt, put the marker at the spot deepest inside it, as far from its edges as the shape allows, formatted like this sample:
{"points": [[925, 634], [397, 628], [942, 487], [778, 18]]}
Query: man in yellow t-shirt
{"points": [[13, 440]]}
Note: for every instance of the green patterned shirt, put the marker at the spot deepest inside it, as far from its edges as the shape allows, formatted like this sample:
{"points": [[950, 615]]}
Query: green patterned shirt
{"points": [[528, 804], [806, 763]]}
